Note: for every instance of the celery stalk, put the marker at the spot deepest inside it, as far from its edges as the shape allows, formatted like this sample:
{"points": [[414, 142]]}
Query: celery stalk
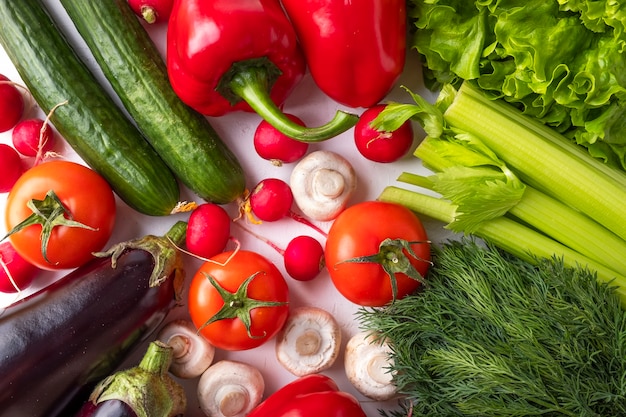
{"points": [[507, 234], [546, 214], [540, 162]]}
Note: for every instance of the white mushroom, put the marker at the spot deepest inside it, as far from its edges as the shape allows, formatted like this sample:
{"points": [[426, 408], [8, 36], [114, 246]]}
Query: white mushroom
{"points": [[309, 341], [322, 183], [192, 354], [230, 389], [367, 365]]}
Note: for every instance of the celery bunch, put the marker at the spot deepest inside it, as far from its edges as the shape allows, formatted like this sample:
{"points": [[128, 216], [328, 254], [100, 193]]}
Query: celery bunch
{"points": [[493, 335], [505, 177]]}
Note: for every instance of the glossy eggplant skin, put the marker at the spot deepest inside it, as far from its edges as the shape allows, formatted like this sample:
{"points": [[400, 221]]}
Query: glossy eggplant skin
{"points": [[109, 408], [58, 343]]}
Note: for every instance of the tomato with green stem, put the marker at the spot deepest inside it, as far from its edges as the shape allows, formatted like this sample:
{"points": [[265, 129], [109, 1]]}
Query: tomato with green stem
{"points": [[377, 252], [58, 213], [238, 300]]}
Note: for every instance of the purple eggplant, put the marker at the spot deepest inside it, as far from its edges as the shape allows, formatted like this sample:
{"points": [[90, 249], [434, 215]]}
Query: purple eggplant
{"points": [[58, 343]]}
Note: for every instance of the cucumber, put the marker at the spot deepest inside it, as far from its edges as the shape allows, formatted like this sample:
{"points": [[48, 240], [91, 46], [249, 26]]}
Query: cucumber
{"points": [[90, 121], [135, 69]]}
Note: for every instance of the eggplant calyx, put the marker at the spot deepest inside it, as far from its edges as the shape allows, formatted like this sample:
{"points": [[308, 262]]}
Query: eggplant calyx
{"points": [[238, 304], [147, 388], [49, 213], [392, 257], [167, 258]]}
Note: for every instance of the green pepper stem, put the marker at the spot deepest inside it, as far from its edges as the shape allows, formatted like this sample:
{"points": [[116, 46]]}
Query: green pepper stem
{"points": [[251, 84]]}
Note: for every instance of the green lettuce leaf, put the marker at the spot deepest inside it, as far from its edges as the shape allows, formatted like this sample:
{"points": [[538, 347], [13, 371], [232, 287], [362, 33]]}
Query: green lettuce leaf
{"points": [[560, 61]]}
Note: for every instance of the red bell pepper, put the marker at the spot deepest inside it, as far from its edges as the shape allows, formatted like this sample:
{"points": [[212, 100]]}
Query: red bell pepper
{"points": [[227, 55], [309, 396], [355, 50]]}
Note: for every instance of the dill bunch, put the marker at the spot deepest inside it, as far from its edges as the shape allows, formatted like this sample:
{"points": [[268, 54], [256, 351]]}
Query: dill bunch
{"points": [[493, 335]]}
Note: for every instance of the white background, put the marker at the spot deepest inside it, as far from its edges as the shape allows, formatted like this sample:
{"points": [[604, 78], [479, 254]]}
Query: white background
{"points": [[237, 130]]}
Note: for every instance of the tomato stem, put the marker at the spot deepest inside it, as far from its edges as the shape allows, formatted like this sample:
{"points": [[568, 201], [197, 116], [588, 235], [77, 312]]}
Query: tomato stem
{"points": [[238, 304], [392, 257], [49, 213]]}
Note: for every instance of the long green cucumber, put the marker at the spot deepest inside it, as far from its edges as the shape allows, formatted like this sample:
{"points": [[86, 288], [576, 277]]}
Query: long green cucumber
{"points": [[90, 121], [133, 65]]}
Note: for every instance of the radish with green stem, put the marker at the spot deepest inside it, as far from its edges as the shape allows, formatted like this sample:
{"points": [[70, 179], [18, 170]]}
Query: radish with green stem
{"points": [[11, 104], [303, 257], [208, 230], [271, 200], [277, 147], [10, 167], [381, 145], [33, 137]]}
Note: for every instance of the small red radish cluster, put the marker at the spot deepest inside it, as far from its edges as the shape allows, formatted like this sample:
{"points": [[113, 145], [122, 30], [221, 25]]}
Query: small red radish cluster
{"points": [[31, 137]]}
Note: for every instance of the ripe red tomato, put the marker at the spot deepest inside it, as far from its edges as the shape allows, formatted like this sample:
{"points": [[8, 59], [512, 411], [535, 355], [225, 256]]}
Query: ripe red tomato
{"points": [[86, 196], [235, 305], [358, 232]]}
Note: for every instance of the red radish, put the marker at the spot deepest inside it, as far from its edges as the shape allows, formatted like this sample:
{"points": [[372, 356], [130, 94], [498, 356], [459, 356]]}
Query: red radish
{"points": [[277, 147], [380, 146], [10, 167], [271, 200], [11, 104], [15, 273], [304, 258], [33, 137], [208, 230], [152, 11]]}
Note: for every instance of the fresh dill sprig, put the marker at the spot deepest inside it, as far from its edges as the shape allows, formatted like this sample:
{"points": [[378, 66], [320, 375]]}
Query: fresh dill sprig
{"points": [[492, 335]]}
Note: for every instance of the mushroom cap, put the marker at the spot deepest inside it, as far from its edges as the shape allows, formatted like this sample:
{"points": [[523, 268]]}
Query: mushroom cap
{"points": [[322, 184], [367, 363], [309, 342], [230, 389], [192, 354]]}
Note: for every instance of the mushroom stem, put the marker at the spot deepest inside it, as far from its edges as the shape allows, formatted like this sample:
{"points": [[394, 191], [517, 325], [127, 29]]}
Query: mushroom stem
{"points": [[232, 400], [328, 183], [192, 354], [309, 342], [322, 183]]}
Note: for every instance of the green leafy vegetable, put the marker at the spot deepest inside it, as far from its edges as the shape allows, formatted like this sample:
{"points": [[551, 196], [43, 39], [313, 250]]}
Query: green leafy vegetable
{"points": [[561, 61], [494, 335], [491, 162]]}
